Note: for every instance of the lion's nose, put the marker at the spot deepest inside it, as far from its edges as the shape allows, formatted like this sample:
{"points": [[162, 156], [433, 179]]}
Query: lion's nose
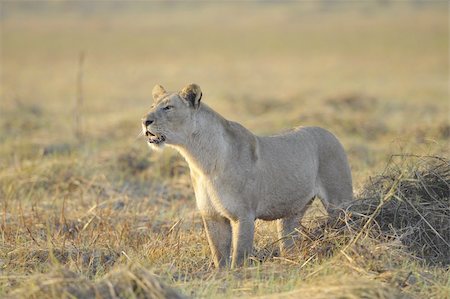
{"points": [[148, 122]]}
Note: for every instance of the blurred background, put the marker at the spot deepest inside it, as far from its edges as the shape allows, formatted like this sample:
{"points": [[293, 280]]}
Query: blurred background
{"points": [[81, 72]]}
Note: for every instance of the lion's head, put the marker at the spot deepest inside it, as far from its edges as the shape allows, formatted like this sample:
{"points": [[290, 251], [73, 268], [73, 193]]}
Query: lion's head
{"points": [[170, 119]]}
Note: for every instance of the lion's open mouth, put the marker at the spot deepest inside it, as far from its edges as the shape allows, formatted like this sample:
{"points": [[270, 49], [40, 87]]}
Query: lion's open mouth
{"points": [[155, 138]]}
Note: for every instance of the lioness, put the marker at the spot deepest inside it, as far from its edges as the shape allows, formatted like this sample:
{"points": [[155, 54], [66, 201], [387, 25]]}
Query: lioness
{"points": [[239, 177]]}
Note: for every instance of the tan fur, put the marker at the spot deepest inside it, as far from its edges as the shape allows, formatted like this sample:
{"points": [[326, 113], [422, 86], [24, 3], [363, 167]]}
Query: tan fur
{"points": [[239, 177]]}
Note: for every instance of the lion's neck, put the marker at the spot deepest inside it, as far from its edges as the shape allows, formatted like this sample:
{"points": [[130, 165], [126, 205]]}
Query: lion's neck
{"points": [[206, 149]]}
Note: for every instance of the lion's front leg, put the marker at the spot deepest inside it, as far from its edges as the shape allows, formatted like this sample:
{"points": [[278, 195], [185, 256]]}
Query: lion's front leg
{"points": [[243, 232], [218, 232]]}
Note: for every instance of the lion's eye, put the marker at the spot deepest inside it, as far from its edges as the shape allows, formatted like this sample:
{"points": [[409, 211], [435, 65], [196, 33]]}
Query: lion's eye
{"points": [[167, 108]]}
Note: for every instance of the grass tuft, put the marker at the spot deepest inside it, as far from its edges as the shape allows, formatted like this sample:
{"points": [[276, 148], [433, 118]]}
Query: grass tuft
{"points": [[125, 282]]}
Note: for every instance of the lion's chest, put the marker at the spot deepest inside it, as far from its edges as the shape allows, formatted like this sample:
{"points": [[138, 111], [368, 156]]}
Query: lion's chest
{"points": [[214, 196]]}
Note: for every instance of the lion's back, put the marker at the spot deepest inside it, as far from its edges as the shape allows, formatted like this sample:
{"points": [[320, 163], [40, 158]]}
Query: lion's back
{"points": [[303, 153]]}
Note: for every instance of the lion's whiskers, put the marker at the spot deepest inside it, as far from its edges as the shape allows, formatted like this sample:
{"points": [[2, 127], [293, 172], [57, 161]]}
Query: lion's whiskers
{"points": [[140, 134]]}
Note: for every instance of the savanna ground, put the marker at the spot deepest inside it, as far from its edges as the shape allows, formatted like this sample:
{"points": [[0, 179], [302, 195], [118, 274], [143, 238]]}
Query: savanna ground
{"points": [[91, 198]]}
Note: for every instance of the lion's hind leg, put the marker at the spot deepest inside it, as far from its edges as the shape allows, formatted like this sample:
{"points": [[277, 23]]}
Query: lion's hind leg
{"points": [[335, 189], [286, 229]]}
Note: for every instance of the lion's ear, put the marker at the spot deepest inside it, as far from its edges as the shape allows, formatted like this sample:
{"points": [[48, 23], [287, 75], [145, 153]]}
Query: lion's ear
{"points": [[158, 91], [193, 94]]}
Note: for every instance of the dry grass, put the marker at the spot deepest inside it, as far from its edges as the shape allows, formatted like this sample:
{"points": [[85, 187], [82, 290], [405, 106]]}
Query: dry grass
{"points": [[411, 200], [129, 282], [408, 203], [101, 213]]}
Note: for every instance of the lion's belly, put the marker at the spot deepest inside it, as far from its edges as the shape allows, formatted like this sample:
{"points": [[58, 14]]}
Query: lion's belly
{"points": [[263, 200], [284, 202], [288, 180]]}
